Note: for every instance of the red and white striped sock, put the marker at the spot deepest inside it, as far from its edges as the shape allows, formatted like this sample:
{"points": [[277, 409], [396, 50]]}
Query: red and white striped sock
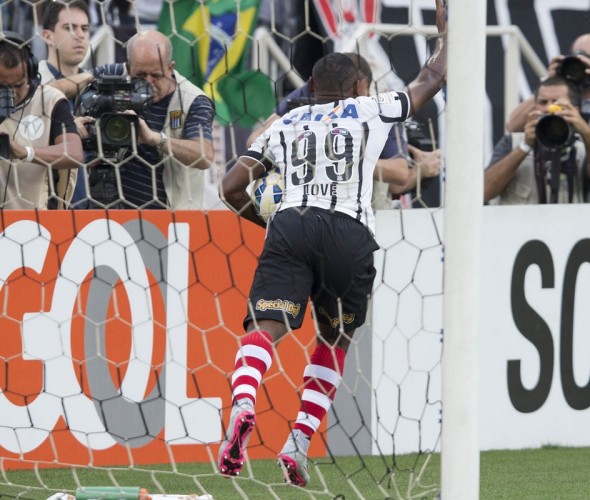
{"points": [[253, 359], [320, 381]]}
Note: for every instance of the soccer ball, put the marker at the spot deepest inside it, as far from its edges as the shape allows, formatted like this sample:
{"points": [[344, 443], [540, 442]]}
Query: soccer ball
{"points": [[267, 193]]}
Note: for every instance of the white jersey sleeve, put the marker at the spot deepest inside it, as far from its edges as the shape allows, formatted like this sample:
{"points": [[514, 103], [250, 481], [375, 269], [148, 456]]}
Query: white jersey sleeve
{"points": [[393, 106]]}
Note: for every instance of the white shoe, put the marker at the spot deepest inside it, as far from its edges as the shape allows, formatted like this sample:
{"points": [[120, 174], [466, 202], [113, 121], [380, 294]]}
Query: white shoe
{"points": [[231, 451], [293, 459]]}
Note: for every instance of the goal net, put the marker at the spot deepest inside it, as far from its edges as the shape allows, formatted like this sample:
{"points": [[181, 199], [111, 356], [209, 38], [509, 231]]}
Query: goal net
{"points": [[119, 328]]}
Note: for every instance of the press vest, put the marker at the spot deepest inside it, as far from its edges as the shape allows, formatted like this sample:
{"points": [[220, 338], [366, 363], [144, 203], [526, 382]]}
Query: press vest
{"points": [[24, 185], [64, 187], [185, 186]]}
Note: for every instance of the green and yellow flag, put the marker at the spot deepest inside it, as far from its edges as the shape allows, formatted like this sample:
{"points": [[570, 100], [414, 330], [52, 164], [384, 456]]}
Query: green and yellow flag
{"points": [[210, 40]]}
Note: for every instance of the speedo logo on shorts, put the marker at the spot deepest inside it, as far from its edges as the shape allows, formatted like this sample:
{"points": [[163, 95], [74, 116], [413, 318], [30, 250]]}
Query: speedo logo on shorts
{"points": [[347, 319], [279, 305]]}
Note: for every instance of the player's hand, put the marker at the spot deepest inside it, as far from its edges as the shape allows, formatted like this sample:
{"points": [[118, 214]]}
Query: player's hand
{"points": [[441, 15]]}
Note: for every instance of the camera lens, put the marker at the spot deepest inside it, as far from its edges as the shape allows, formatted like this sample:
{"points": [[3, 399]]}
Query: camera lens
{"points": [[573, 69], [553, 132], [117, 129]]}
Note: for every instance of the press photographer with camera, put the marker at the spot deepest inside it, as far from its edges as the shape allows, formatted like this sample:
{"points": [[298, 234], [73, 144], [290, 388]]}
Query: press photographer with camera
{"points": [[574, 67], [547, 163], [161, 162], [37, 130]]}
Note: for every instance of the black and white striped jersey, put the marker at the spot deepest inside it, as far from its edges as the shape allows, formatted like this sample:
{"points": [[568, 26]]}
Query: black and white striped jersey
{"points": [[327, 152]]}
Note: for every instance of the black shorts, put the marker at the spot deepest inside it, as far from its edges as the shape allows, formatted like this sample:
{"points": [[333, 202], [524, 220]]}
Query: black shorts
{"points": [[318, 254]]}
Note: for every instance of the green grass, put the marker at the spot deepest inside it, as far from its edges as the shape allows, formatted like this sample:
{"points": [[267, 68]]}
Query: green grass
{"points": [[547, 473]]}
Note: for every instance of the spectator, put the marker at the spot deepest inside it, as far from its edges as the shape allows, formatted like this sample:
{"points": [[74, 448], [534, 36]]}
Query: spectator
{"points": [[581, 48], [397, 156], [38, 135], [523, 171], [66, 31], [319, 243], [175, 131]]}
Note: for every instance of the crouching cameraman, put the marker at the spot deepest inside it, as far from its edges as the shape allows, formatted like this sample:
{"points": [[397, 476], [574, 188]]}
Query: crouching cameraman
{"points": [[547, 163], [172, 145]]}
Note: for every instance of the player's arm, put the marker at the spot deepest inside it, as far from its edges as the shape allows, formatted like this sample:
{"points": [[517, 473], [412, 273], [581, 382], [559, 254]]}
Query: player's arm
{"points": [[433, 73], [234, 184]]}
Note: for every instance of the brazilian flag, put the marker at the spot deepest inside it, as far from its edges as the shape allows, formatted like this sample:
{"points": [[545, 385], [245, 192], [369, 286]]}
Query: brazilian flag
{"points": [[210, 40]]}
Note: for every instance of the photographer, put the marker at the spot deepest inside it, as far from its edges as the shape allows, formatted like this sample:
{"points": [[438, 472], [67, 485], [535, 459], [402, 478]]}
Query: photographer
{"points": [[174, 136], [580, 50], [547, 163], [37, 130]]}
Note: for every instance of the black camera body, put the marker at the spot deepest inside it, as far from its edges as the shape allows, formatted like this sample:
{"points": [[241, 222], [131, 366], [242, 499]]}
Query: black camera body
{"points": [[553, 132], [106, 100], [6, 109], [113, 133], [573, 69]]}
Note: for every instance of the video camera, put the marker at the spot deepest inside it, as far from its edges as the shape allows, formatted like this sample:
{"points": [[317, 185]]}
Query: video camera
{"points": [[107, 99], [114, 132], [552, 131], [6, 109], [572, 68]]}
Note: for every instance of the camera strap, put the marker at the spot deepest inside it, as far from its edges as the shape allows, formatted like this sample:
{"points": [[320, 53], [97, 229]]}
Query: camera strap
{"points": [[549, 168]]}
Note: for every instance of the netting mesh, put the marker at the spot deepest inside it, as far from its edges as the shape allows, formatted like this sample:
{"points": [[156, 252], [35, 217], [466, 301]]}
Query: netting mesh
{"points": [[119, 327]]}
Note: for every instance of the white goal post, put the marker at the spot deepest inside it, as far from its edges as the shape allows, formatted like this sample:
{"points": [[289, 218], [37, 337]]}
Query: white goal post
{"points": [[462, 237]]}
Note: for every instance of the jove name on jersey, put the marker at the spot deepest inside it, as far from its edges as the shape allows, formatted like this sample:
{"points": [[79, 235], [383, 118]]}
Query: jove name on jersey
{"points": [[320, 190]]}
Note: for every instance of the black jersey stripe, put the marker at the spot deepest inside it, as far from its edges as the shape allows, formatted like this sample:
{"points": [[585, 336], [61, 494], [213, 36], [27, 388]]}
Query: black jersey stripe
{"points": [[305, 197], [285, 163], [334, 200], [359, 211], [404, 100]]}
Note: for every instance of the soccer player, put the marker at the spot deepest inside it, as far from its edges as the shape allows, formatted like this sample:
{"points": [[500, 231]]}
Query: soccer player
{"points": [[320, 241], [395, 154]]}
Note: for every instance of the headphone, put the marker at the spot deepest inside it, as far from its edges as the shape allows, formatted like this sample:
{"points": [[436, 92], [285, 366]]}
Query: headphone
{"points": [[30, 60]]}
